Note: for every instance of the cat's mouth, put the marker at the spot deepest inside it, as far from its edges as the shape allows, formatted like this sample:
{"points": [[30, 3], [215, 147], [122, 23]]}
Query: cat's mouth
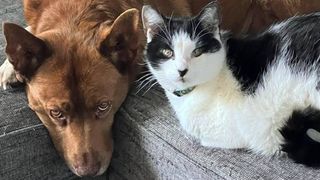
{"points": [[183, 92]]}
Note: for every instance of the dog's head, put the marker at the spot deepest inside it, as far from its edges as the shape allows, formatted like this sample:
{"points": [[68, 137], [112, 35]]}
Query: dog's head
{"points": [[75, 82]]}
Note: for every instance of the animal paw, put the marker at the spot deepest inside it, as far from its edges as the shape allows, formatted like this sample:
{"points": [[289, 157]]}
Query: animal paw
{"points": [[7, 74]]}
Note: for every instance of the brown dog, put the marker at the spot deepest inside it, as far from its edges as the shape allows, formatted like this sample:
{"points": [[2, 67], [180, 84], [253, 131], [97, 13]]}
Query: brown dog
{"points": [[77, 63]]}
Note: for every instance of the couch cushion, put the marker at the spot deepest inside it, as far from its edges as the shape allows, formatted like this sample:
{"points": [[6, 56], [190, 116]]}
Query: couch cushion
{"points": [[150, 144]]}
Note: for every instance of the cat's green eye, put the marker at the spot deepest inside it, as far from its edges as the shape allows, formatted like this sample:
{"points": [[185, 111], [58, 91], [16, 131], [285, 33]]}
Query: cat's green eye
{"points": [[197, 52], [168, 53]]}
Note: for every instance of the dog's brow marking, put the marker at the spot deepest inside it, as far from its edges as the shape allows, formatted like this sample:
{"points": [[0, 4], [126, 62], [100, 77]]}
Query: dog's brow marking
{"points": [[19, 47], [21, 130], [314, 135]]}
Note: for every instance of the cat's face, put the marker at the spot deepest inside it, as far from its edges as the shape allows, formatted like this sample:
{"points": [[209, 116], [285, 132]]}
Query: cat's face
{"points": [[183, 52]]}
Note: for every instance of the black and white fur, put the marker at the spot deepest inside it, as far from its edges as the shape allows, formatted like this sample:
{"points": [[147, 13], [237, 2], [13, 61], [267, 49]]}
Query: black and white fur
{"points": [[258, 92]]}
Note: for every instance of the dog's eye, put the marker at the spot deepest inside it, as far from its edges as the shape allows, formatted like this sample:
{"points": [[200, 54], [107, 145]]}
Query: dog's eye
{"points": [[104, 108], [57, 114], [197, 52], [168, 53]]}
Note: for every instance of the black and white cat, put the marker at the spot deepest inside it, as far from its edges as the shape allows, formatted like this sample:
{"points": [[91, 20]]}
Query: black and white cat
{"points": [[259, 92]]}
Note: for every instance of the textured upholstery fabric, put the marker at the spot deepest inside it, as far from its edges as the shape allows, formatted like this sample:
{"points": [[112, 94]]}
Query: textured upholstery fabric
{"points": [[149, 143]]}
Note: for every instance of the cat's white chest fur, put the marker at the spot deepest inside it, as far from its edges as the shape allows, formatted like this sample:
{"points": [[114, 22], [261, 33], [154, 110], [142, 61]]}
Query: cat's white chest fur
{"points": [[209, 113]]}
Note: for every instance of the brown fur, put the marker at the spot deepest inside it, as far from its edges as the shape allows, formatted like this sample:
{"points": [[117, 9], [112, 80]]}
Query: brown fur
{"points": [[81, 53], [252, 16]]}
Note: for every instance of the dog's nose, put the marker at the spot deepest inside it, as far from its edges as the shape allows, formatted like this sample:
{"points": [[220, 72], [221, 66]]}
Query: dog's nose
{"points": [[86, 165], [87, 170], [183, 72]]}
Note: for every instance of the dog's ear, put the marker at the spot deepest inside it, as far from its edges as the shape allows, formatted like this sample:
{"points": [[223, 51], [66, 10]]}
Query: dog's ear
{"points": [[25, 51], [121, 43], [151, 20]]}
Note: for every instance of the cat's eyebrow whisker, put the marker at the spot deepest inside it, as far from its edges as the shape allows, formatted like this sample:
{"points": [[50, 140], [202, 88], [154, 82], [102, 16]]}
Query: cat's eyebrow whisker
{"points": [[204, 34], [206, 29], [195, 30], [167, 30], [166, 38], [165, 33], [201, 34], [170, 24]]}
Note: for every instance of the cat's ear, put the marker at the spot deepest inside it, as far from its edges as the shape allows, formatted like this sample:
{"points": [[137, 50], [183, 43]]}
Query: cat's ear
{"points": [[151, 20], [209, 16]]}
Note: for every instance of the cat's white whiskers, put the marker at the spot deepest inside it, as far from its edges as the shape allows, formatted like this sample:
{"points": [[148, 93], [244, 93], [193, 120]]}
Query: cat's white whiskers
{"points": [[199, 37], [195, 30], [144, 72], [155, 83], [170, 25], [201, 34], [142, 63], [167, 30], [144, 77], [167, 35], [148, 81], [144, 82], [164, 38]]}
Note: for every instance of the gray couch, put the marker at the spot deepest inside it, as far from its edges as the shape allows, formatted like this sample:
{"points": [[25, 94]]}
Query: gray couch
{"points": [[149, 143]]}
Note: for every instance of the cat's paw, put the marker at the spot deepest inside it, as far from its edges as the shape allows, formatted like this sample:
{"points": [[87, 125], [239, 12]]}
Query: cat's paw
{"points": [[208, 143], [191, 130], [7, 74], [222, 143]]}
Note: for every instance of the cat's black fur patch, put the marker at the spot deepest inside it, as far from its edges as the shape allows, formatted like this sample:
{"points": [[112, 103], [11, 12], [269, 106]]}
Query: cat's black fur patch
{"points": [[297, 144], [304, 34], [249, 58], [161, 39]]}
